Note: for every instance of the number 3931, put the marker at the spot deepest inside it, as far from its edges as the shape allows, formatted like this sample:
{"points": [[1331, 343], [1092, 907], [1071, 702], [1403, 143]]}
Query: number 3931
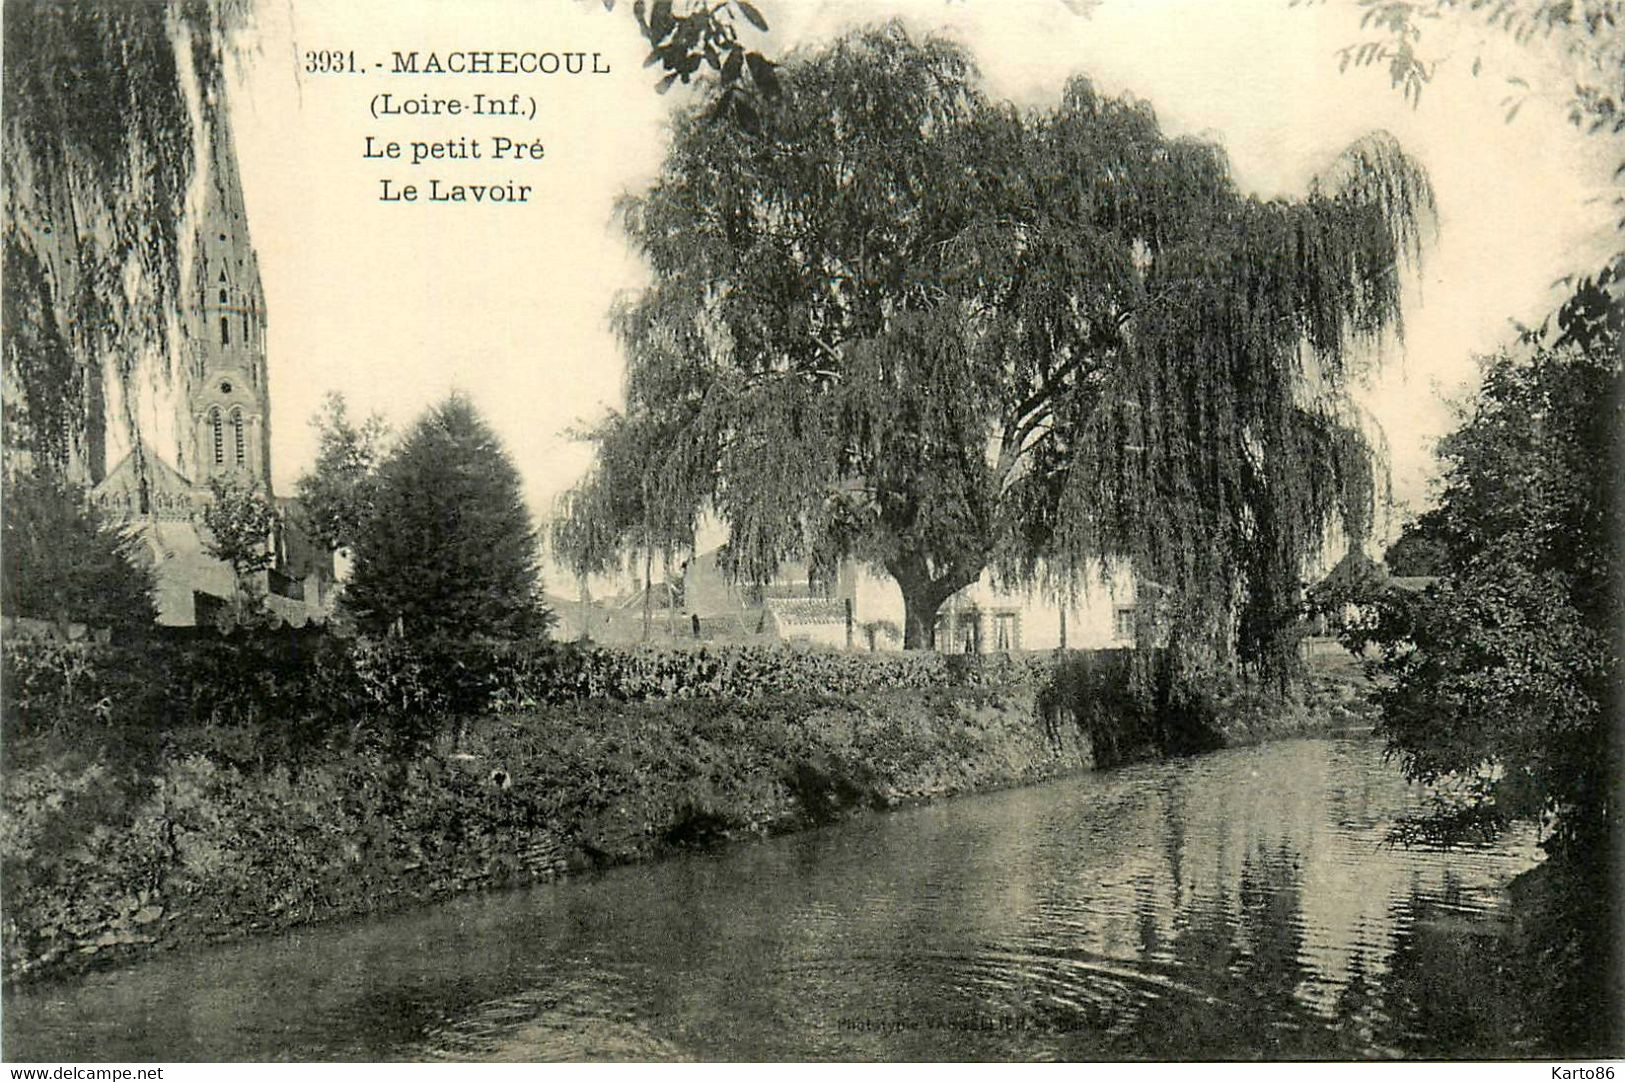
{"points": [[330, 62]]}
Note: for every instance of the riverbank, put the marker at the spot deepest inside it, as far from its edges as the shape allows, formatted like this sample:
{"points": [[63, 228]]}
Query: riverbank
{"points": [[1197, 908], [101, 867]]}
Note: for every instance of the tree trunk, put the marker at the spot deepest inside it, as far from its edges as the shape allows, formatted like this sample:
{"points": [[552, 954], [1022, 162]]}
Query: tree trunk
{"points": [[586, 610], [671, 601], [648, 590], [920, 620], [923, 597]]}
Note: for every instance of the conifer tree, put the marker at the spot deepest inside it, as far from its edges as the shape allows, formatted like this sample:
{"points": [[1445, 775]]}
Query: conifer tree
{"points": [[447, 549]]}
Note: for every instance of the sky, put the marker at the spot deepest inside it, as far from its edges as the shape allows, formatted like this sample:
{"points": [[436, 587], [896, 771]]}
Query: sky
{"points": [[396, 304]]}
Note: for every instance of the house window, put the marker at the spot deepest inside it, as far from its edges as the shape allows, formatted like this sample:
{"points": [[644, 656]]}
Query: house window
{"points": [[237, 434], [219, 436], [1123, 623], [1004, 632]]}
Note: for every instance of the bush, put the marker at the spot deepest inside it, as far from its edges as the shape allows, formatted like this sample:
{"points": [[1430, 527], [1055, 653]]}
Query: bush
{"points": [[61, 561], [276, 697]]}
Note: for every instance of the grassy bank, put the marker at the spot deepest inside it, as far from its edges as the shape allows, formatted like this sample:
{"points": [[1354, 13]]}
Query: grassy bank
{"points": [[99, 867]]}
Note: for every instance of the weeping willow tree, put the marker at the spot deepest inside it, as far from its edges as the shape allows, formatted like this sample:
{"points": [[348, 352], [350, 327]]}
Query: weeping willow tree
{"points": [[641, 503], [909, 326], [107, 105]]}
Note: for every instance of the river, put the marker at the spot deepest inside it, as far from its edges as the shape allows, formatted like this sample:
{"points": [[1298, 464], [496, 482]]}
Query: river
{"points": [[1235, 905]]}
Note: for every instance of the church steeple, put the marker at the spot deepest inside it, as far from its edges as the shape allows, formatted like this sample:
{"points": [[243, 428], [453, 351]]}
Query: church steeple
{"points": [[229, 399]]}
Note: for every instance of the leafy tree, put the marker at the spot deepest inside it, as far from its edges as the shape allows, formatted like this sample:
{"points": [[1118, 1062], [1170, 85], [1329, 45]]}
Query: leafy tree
{"points": [[1511, 660], [80, 302], [702, 37], [641, 499], [335, 497], [1585, 38], [914, 327], [1589, 34], [1420, 549], [1504, 679], [239, 521], [62, 562], [447, 549]]}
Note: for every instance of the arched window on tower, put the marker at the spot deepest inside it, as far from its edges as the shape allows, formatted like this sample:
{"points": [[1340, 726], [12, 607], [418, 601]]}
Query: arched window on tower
{"points": [[219, 436], [237, 435], [222, 296]]}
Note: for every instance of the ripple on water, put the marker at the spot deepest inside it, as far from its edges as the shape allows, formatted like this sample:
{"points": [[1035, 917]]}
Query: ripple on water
{"points": [[585, 1014]]}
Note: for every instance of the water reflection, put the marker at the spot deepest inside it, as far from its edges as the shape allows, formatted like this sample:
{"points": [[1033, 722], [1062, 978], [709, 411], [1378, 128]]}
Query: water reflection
{"points": [[1238, 905]]}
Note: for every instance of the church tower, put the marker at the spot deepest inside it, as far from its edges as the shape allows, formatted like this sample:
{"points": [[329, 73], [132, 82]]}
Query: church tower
{"points": [[205, 414], [229, 400]]}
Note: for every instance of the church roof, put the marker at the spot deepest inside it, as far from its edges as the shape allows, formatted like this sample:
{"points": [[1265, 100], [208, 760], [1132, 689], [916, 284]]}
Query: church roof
{"points": [[124, 476]]}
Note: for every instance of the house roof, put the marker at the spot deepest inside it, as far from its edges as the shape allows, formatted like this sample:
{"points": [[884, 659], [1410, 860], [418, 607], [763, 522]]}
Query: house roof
{"points": [[807, 610], [661, 595], [1413, 583], [790, 572]]}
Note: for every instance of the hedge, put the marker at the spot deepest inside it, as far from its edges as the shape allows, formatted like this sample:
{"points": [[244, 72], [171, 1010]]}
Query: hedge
{"points": [[308, 685]]}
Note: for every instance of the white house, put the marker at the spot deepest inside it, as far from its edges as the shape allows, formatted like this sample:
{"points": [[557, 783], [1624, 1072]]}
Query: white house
{"points": [[860, 609]]}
